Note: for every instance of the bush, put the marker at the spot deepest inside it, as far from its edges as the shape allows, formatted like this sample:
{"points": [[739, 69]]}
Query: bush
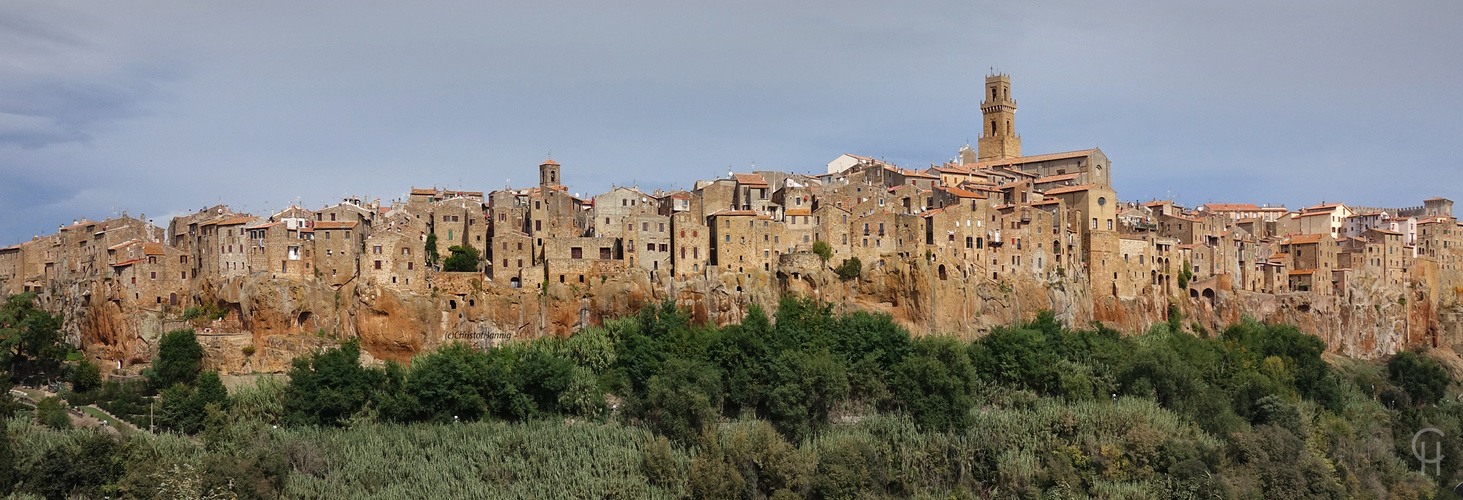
{"points": [[1422, 378], [179, 358], [51, 412], [431, 248], [933, 384], [851, 269], [683, 399], [463, 259], [824, 251], [330, 386], [85, 377]]}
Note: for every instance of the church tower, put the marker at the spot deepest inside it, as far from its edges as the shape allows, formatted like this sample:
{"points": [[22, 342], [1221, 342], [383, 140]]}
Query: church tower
{"points": [[548, 173], [998, 139]]}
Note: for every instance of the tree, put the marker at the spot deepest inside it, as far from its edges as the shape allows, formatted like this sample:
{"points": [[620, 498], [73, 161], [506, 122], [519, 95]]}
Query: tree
{"points": [[177, 411], [1421, 377], [850, 269], [31, 338], [464, 259], [824, 251], [85, 377], [683, 398], [330, 386], [805, 388], [432, 256], [933, 384], [448, 384], [52, 413], [211, 390], [179, 358]]}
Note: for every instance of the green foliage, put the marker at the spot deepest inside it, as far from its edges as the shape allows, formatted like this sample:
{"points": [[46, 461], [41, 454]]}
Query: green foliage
{"points": [[329, 386], [208, 311], [85, 376], [463, 259], [179, 359], [824, 251], [804, 389], [809, 404], [177, 410], [683, 399], [933, 384], [431, 246], [1186, 275], [660, 467], [444, 386], [850, 269], [185, 409], [31, 345], [1422, 378], [52, 413]]}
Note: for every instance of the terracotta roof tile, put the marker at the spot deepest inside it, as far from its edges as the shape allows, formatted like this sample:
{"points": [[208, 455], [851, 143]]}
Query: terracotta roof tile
{"points": [[1304, 239], [1057, 178], [750, 179], [1020, 160], [152, 249], [1069, 189], [335, 225], [236, 220]]}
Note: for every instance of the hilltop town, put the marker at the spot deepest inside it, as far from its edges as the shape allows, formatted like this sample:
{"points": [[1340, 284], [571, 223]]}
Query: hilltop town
{"points": [[952, 248]]}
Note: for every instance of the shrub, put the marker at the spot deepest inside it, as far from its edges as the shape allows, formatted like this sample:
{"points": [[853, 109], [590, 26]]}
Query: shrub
{"points": [[85, 377], [824, 251], [463, 259], [851, 269], [329, 386], [431, 247], [1421, 377], [52, 413], [660, 467], [683, 399]]}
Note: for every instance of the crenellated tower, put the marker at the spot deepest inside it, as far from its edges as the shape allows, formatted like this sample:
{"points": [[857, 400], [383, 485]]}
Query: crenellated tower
{"points": [[998, 138]]}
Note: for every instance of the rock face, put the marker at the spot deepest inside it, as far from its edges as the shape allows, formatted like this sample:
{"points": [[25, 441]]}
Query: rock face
{"points": [[267, 322]]}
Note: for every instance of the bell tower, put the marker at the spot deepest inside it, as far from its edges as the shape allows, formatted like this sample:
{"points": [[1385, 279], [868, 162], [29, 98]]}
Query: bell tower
{"points": [[548, 173], [998, 138]]}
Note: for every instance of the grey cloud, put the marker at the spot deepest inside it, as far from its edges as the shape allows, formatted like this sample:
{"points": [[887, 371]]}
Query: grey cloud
{"points": [[160, 105]]}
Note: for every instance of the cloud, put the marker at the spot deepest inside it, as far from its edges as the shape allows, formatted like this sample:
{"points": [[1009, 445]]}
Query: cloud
{"points": [[155, 106]]}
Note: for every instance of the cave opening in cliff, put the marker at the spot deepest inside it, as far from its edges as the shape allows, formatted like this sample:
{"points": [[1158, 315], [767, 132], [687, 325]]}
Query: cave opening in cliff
{"points": [[303, 318]]}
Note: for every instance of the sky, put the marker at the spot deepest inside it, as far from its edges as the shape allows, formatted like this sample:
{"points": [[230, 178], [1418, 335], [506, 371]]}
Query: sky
{"points": [[162, 108]]}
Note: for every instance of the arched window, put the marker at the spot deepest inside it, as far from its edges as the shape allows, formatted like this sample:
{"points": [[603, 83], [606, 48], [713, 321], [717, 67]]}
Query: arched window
{"points": [[993, 127]]}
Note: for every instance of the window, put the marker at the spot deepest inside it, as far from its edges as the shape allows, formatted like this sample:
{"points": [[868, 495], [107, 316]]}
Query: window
{"points": [[664, 247], [376, 249], [1094, 223], [576, 253], [409, 265], [378, 264]]}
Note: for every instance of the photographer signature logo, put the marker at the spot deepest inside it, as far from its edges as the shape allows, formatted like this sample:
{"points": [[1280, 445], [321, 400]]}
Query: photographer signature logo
{"points": [[1436, 459]]}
